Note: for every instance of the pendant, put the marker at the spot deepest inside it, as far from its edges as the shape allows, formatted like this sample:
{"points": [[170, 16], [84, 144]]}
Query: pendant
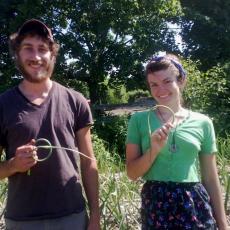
{"points": [[173, 148]]}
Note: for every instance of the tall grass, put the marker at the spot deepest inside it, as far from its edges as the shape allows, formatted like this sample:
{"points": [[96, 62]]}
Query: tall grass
{"points": [[119, 201], [3, 191], [223, 161], [120, 197]]}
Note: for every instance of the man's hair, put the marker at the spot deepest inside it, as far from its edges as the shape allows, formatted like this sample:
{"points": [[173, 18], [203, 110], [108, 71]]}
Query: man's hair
{"points": [[32, 27]]}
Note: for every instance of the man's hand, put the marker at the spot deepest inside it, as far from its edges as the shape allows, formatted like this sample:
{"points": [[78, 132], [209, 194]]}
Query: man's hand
{"points": [[25, 157]]}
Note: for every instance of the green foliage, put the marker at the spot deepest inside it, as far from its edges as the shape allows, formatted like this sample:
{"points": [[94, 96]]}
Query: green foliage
{"points": [[102, 38], [223, 160], [119, 197], [206, 31], [117, 95], [113, 38], [74, 84], [209, 92], [112, 129], [12, 14], [193, 90], [103, 156], [3, 189], [119, 201], [136, 94]]}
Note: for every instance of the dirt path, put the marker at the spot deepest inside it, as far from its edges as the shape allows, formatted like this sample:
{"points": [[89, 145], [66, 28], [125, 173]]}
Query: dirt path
{"points": [[129, 108]]}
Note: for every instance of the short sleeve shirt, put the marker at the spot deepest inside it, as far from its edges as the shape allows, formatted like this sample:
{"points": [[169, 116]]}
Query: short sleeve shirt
{"points": [[53, 188], [194, 136]]}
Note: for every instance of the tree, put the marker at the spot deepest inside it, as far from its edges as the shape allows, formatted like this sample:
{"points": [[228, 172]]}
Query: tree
{"points": [[113, 38], [206, 31], [209, 92], [12, 14], [105, 39]]}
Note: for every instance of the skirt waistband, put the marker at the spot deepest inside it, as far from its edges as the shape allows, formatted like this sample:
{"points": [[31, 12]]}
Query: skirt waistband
{"points": [[172, 184]]}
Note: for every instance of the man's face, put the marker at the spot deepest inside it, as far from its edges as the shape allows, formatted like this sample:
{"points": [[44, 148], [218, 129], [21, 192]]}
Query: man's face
{"points": [[35, 60]]}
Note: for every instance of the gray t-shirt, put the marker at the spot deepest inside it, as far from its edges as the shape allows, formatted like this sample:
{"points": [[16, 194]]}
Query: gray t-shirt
{"points": [[53, 189]]}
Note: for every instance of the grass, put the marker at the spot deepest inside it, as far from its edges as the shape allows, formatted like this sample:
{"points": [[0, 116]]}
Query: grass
{"points": [[120, 197], [223, 160], [119, 201]]}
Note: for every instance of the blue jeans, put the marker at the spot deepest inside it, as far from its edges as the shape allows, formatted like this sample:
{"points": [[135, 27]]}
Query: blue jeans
{"points": [[77, 221]]}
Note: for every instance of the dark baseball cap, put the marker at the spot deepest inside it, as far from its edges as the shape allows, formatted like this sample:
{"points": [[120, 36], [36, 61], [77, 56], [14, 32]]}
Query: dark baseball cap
{"points": [[34, 25]]}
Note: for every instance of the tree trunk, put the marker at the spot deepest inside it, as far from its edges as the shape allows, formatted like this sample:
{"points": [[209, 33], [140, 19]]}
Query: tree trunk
{"points": [[97, 93]]}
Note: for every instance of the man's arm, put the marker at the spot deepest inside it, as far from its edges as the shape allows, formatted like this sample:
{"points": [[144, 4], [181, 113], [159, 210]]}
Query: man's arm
{"points": [[89, 174]]}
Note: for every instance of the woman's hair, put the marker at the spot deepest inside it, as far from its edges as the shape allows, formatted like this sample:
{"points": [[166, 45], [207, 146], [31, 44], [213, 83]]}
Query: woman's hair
{"points": [[169, 61]]}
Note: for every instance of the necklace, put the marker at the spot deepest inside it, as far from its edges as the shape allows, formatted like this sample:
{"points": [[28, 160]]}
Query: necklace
{"points": [[173, 145], [161, 116], [173, 148]]}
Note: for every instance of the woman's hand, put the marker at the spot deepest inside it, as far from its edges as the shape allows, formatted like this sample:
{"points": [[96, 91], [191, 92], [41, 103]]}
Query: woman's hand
{"points": [[160, 136]]}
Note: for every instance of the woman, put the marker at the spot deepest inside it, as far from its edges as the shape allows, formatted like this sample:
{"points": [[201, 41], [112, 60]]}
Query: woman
{"points": [[168, 147]]}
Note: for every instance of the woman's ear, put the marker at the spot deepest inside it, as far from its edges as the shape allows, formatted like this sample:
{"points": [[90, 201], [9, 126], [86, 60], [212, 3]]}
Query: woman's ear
{"points": [[181, 83], [147, 83]]}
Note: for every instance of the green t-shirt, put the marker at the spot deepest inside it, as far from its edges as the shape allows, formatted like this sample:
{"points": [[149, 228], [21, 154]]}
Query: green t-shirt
{"points": [[194, 136]]}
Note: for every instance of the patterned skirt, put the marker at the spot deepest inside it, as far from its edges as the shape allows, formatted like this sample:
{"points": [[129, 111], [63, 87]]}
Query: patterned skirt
{"points": [[171, 205]]}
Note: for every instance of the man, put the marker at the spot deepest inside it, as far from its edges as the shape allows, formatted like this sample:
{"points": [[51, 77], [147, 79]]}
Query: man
{"points": [[47, 194]]}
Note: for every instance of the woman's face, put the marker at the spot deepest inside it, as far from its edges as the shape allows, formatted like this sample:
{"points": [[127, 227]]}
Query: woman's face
{"points": [[164, 87]]}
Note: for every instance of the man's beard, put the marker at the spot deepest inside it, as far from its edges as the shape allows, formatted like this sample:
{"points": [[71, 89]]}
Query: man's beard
{"points": [[41, 76]]}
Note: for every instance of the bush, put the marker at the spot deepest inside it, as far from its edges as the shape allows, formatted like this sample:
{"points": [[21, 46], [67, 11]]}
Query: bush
{"points": [[223, 162], [74, 84], [209, 93], [112, 129], [103, 156], [136, 94], [117, 95]]}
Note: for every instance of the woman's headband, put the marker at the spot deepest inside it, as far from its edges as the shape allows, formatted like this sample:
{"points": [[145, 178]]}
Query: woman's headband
{"points": [[174, 62]]}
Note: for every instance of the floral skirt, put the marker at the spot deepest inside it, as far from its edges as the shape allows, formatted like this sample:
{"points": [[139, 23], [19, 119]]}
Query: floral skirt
{"points": [[171, 205]]}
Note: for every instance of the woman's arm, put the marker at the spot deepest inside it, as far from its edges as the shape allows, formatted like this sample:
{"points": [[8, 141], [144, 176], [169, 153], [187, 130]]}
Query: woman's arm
{"points": [[138, 164], [211, 182]]}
